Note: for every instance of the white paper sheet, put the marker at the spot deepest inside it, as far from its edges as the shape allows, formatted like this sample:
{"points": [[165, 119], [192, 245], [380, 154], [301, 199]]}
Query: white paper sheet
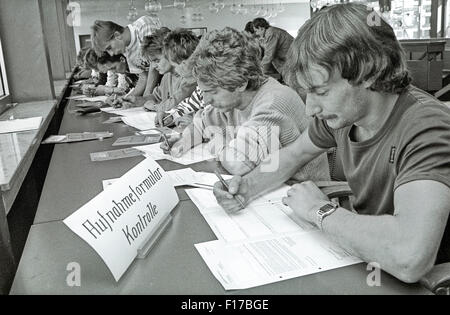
{"points": [[17, 125], [124, 112], [256, 262], [142, 121], [117, 222], [182, 177], [87, 98], [196, 154], [264, 216]]}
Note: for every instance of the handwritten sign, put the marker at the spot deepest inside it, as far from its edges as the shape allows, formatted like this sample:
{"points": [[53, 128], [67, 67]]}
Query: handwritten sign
{"points": [[117, 221]]}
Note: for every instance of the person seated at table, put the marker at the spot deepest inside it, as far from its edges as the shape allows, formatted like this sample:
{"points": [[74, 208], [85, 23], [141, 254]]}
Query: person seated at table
{"points": [[178, 47], [97, 78], [80, 71], [119, 80], [115, 39], [152, 50], [392, 138], [250, 115]]}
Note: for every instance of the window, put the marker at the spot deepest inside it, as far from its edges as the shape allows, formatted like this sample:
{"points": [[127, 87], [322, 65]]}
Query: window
{"points": [[4, 92]]}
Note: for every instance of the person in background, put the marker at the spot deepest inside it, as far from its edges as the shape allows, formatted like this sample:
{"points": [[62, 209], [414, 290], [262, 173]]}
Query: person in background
{"points": [[97, 78], [392, 138], [152, 49], [250, 115], [80, 71], [276, 43], [115, 39], [119, 80]]}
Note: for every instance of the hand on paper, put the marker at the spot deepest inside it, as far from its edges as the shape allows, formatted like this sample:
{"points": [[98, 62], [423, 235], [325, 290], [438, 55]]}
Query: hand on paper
{"points": [[159, 118], [226, 198], [183, 121], [305, 199], [132, 101], [150, 105], [174, 147]]}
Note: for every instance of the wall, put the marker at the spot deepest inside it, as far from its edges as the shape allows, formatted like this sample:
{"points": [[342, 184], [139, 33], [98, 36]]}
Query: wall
{"points": [[26, 56], [291, 19], [53, 36]]}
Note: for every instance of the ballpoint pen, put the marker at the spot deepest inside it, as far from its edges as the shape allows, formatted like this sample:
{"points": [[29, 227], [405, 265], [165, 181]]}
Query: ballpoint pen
{"points": [[166, 141], [227, 187]]}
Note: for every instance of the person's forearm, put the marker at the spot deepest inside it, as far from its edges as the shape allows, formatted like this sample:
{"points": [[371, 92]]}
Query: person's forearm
{"points": [[140, 85], [380, 240], [152, 80], [280, 166]]}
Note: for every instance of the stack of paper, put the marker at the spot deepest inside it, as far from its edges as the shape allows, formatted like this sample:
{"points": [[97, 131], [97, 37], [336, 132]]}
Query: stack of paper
{"points": [[17, 125]]}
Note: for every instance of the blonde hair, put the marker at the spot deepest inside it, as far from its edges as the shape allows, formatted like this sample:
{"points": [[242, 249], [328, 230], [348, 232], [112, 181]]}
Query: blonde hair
{"points": [[228, 59], [179, 45], [102, 33], [154, 44], [353, 39]]}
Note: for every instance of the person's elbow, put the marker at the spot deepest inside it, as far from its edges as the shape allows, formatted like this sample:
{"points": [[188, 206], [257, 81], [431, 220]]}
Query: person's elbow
{"points": [[412, 265]]}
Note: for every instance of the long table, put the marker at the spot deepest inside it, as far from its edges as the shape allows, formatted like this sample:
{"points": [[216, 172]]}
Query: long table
{"points": [[172, 267]]}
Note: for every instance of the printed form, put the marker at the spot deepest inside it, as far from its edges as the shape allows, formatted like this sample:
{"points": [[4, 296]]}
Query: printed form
{"points": [[264, 243], [251, 263]]}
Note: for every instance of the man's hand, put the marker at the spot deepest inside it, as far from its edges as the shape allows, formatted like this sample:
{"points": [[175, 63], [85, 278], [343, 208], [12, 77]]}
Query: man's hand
{"points": [[176, 146], [150, 105], [305, 199], [238, 188], [132, 101], [184, 121], [159, 119]]}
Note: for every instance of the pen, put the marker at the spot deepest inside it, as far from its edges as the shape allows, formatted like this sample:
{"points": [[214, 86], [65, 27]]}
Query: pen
{"points": [[227, 187], [166, 141]]}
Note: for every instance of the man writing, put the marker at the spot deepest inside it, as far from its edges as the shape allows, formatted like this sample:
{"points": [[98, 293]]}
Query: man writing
{"points": [[393, 141]]}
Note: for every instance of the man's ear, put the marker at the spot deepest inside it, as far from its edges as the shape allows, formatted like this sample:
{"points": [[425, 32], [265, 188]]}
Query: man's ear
{"points": [[117, 35], [368, 83], [243, 87]]}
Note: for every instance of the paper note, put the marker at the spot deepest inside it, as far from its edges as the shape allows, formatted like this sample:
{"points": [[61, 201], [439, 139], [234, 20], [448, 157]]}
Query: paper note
{"points": [[138, 140], [252, 263], [114, 154], [17, 125], [196, 154], [87, 98], [124, 112], [141, 121], [118, 221], [77, 137], [264, 216]]}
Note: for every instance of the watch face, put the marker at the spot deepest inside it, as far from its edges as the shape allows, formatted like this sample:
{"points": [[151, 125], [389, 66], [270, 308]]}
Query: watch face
{"points": [[327, 207]]}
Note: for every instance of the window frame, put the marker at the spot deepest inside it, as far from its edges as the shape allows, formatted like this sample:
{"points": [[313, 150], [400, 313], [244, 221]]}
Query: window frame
{"points": [[6, 98]]}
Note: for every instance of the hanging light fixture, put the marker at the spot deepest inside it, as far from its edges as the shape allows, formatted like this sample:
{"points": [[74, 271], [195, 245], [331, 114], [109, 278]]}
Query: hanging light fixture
{"points": [[153, 6], [220, 4], [179, 4], [234, 9], [281, 8], [242, 9], [213, 7], [183, 19], [132, 12]]}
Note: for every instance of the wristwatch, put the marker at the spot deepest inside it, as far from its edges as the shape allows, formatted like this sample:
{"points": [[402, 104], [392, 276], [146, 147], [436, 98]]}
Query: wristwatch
{"points": [[325, 211]]}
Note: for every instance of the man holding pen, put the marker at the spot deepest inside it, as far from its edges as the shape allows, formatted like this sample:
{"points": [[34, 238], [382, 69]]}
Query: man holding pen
{"points": [[393, 141]]}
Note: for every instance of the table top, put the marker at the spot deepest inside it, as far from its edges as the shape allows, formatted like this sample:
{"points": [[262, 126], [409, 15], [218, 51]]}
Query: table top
{"points": [[73, 179], [16, 147], [172, 267]]}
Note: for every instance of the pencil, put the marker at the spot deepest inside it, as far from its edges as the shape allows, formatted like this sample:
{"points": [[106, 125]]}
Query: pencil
{"points": [[227, 187]]}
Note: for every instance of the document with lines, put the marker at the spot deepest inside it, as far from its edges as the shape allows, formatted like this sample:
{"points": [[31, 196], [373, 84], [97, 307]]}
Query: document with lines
{"points": [[251, 263], [265, 216]]}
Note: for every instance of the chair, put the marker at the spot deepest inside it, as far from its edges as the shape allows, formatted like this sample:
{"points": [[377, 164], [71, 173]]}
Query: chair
{"points": [[7, 264]]}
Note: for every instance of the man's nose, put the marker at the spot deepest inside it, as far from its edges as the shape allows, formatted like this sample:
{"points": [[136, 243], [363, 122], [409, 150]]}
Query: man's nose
{"points": [[312, 105]]}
